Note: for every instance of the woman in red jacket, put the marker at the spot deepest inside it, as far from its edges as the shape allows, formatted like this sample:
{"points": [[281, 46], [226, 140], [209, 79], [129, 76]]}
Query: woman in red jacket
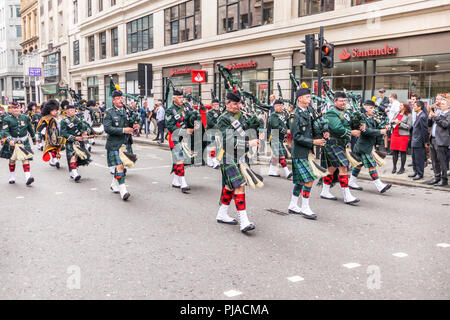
{"points": [[401, 123]]}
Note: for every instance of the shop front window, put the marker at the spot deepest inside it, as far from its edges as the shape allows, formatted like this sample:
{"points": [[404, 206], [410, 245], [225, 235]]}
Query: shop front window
{"points": [[183, 82], [310, 7]]}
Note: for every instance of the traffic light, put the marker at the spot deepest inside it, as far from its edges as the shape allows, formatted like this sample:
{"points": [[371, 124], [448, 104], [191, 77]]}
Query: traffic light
{"points": [[327, 55], [309, 52]]}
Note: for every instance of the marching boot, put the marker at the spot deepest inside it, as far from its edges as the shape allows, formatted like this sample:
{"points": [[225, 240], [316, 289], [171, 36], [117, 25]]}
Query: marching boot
{"points": [[112, 169], [216, 163], [287, 173], [176, 181], [184, 186], [382, 188], [293, 206], [352, 183], [12, 178], [74, 175], [52, 161], [223, 217], [306, 211], [124, 194], [245, 225], [29, 179], [115, 186], [326, 194], [348, 197], [57, 165], [273, 171]]}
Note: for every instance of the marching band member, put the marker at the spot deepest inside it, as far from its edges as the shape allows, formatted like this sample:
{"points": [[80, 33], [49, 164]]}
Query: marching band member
{"points": [[279, 153], [363, 148], [176, 124], [75, 133], [49, 124], [35, 121], [211, 117], [15, 130], [233, 182], [119, 126], [301, 127], [334, 156]]}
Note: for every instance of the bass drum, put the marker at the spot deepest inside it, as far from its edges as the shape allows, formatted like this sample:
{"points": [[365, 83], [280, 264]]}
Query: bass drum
{"points": [[98, 129]]}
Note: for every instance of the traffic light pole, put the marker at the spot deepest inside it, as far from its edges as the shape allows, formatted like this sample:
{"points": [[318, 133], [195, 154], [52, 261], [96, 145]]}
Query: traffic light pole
{"points": [[319, 65]]}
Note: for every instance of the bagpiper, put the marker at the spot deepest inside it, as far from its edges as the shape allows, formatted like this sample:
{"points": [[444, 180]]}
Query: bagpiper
{"points": [[233, 126], [334, 152], [75, 133], [301, 126], [35, 121], [15, 129], [50, 125], [211, 117], [364, 149], [278, 125], [177, 125], [119, 126]]}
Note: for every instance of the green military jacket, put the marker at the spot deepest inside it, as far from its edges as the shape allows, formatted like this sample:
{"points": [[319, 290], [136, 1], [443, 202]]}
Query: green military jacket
{"points": [[278, 122], [175, 119], [301, 127], [231, 137], [339, 123], [368, 138], [72, 128], [114, 122], [211, 118], [17, 127]]}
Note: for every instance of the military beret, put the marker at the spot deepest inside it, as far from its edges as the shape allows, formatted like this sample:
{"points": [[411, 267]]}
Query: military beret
{"points": [[278, 101], [90, 103], [177, 92], [64, 103], [301, 92], [340, 94], [116, 93], [369, 103], [234, 96]]}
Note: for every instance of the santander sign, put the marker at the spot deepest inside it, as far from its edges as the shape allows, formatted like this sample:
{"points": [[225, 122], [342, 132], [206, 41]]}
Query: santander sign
{"points": [[358, 53]]}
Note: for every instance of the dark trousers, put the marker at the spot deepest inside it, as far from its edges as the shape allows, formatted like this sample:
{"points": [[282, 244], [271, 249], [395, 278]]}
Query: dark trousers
{"points": [[439, 158], [161, 126], [419, 156]]}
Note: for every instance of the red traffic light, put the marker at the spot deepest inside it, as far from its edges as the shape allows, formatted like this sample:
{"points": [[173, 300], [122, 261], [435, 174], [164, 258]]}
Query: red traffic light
{"points": [[326, 49]]}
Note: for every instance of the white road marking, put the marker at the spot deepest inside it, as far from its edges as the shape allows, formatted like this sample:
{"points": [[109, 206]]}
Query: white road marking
{"points": [[443, 245], [59, 192], [295, 279], [93, 189], [400, 254], [155, 182], [20, 197], [351, 265], [232, 293]]}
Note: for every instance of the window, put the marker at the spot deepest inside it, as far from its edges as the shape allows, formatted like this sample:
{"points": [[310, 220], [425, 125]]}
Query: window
{"points": [[182, 22], [91, 46], [19, 57], [236, 15], [18, 12], [41, 10], [309, 7], [17, 83], [76, 52], [92, 88], [75, 11], [139, 34], [50, 2], [89, 8], [358, 2], [102, 46], [131, 80], [19, 31], [113, 3], [114, 42], [100, 5]]}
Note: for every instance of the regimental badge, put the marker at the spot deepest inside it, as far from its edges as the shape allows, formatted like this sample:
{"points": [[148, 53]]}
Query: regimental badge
{"points": [[304, 128], [215, 115], [71, 125], [346, 117], [177, 117], [117, 123]]}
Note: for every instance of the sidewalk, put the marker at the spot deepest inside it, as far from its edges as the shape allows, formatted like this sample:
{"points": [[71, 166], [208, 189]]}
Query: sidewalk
{"points": [[384, 172]]}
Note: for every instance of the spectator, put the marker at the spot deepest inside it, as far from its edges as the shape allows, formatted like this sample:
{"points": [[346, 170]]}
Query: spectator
{"points": [[439, 120], [419, 141], [400, 124], [392, 110], [382, 101], [160, 120], [152, 120], [145, 113]]}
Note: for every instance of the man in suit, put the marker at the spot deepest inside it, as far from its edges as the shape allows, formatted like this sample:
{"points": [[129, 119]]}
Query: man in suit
{"points": [[439, 121], [419, 140]]}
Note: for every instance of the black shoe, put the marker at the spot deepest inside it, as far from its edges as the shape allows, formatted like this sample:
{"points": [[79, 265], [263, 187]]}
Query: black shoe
{"points": [[126, 196], [289, 176], [30, 181], [394, 170], [334, 198], [77, 178], [401, 171], [234, 222], [12, 181], [89, 149], [57, 165], [388, 186], [352, 202], [418, 178], [409, 164], [354, 188], [174, 186], [412, 175], [433, 181], [273, 175], [442, 183], [310, 217], [294, 212], [251, 226], [185, 190]]}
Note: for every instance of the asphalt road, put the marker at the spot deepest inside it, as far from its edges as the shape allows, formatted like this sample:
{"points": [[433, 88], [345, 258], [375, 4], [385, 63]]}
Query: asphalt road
{"points": [[67, 240]]}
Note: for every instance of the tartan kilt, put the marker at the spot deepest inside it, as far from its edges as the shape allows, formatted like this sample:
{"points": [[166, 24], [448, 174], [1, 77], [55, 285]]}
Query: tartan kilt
{"points": [[367, 160], [70, 152], [301, 171], [7, 151], [278, 149], [232, 176], [333, 154], [112, 156]]}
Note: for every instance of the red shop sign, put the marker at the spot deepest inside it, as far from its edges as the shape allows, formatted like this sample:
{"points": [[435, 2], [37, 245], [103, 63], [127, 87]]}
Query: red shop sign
{"points": [[175, 71], [198, 76], [246, 65], [358, 53], [263, 86]]}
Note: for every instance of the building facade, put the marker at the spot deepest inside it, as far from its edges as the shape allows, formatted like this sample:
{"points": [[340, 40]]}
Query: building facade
{"points": [[399, 45], [11, 70], [29, 11]]}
